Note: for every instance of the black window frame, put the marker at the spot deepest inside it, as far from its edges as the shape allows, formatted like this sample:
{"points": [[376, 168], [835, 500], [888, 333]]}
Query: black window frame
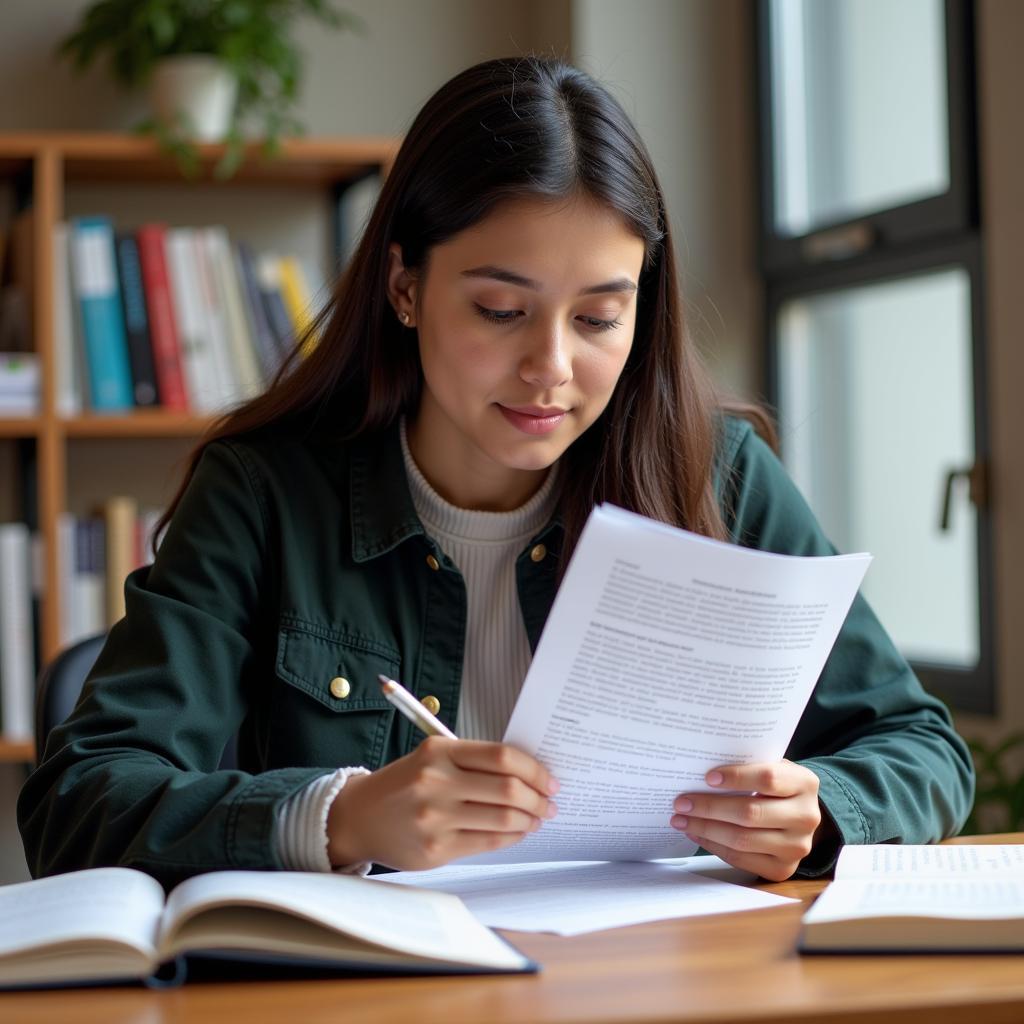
{"points": [[886, 245]]}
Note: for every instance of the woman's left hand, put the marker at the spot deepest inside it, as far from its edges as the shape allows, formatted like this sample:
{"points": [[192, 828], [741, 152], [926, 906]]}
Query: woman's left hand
{"points": [[768, 833]]}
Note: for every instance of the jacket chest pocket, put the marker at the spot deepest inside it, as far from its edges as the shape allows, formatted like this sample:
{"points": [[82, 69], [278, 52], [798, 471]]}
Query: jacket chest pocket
{"points": [[329, 710]]}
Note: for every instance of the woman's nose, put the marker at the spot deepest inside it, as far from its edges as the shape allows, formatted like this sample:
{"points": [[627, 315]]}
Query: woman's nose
{"points": [[547, 362]]}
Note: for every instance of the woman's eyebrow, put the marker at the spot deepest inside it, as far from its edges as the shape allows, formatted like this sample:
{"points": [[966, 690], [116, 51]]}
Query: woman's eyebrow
{"points": [[620, 284]]}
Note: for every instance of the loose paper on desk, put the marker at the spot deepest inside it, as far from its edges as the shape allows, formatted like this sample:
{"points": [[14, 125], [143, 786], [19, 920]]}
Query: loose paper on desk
{"points": [[569, 898], [665, 655]]}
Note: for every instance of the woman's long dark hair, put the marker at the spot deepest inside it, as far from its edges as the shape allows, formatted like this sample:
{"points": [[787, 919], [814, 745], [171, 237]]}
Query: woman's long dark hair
{"points": [[512, 128]]}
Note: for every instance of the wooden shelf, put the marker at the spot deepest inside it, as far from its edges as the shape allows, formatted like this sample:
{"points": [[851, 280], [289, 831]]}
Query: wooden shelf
{"points": [[111, 157], [19, 426], [17, 751], [158, 423]]}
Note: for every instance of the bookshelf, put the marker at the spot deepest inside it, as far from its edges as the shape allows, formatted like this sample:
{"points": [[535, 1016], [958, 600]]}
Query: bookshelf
{"points": [[46, 166]]}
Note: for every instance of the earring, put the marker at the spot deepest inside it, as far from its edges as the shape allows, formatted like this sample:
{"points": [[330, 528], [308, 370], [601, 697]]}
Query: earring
{"points": [[405, 319]]}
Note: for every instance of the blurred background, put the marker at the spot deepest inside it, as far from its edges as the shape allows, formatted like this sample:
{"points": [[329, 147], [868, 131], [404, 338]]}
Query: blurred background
{"points": [[845, 189]]}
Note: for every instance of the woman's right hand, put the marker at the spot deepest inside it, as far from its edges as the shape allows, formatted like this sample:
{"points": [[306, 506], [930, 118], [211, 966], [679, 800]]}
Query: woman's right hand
{"points": [[445, 800]]}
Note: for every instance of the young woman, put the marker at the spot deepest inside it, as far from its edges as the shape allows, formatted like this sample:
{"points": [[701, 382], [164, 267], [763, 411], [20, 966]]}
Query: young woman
{"points": [[505, 349]]}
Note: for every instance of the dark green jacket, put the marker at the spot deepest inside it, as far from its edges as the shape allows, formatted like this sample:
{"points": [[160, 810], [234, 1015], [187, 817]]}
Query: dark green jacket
{"points": [[291, 563]]}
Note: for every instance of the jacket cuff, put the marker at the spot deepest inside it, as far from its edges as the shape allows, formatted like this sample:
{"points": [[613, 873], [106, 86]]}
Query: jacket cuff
{"points": [[251, 818], [849, 825]]}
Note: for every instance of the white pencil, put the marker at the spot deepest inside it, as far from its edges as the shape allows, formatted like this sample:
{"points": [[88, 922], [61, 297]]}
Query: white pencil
{"points": [[395, 693]]}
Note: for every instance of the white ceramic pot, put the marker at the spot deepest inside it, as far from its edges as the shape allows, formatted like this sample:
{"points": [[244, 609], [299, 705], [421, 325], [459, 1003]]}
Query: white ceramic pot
{"points": [[196, 89]]}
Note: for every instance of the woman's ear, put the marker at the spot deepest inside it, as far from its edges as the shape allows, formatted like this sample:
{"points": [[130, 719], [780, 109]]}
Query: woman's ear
{"points": [[402, 285]]}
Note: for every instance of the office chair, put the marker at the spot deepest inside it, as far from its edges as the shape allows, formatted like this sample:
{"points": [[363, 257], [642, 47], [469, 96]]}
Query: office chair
{"points": [[61, 682]]}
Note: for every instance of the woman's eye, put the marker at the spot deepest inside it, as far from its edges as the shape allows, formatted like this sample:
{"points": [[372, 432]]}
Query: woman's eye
{"points": [[507, 316], [498, 316]]}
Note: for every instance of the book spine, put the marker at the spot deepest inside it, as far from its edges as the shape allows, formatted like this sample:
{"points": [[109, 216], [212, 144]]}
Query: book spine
{"points": [[136, 322], [17, 678], [163, 324], [236, 327], [119, 516], [267, 347], [99, 299], [268, 271], [296, 296], [67, 329], [228, 371]]}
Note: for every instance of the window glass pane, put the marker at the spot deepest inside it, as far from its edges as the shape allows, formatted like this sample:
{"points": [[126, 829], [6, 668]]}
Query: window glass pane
{"points": [[858, 108], [875, 407]]}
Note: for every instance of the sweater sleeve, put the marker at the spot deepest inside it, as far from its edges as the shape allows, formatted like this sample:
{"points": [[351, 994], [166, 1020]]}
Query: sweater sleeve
{"points": [[132, 778], [891, 767]]}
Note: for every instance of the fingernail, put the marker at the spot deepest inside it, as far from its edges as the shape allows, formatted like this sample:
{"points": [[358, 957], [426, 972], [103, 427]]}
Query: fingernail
{"points": [[684, 805], [679, 822], [713, 778], [554, 786], [552, 810]]}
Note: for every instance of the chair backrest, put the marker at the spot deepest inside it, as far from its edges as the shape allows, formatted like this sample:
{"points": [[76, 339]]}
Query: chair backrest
{"points": [[60, 684]]}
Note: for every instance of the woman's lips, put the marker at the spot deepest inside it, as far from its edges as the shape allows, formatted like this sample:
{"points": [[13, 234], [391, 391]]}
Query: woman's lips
{"points": [[533, 420]]}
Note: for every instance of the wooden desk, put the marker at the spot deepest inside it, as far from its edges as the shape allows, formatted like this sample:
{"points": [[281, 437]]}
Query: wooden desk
{"points": [[726, 968]]}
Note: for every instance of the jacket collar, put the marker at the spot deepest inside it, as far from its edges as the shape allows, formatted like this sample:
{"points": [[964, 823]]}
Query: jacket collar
{"points": [[381, 508]]}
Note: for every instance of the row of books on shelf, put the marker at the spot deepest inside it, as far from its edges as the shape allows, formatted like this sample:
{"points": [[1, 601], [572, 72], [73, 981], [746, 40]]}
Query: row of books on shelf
{"points": [[96, 553], [183, 318]]}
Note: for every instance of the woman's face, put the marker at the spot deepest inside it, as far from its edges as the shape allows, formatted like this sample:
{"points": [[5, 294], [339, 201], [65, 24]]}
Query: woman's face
{"points": [[524, 323]]}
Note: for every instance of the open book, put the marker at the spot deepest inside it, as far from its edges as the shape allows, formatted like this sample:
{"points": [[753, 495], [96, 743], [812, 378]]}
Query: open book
{"points": [[113, 924], [920, 898], [665, 655]]}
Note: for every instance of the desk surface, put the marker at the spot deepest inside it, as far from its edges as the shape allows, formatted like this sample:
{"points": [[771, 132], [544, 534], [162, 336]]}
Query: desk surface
{"points": [[723, 968]]}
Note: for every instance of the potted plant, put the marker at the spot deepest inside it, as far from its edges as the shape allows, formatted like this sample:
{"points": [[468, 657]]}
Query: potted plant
{"points": [[214, 67]]}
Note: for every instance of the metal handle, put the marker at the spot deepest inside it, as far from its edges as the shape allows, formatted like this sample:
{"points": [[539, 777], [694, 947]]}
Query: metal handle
{"points": [[977, 489]]}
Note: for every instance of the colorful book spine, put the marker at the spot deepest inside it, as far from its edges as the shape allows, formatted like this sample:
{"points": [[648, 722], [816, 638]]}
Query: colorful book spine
{"points": [[163, 323], [99, 299], [136, 322], [267, 348]]}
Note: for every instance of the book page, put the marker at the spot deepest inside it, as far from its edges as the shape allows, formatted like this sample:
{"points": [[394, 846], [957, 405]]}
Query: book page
{"points": [[893, 861], [111, 904], [570, 898], [665, 655], [990, 898], [426, 924]]}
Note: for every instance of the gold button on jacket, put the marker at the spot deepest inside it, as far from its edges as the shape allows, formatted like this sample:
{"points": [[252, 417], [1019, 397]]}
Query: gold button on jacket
{"points": [[432, 704], [433, 563], [340, 687], [537, 552]]}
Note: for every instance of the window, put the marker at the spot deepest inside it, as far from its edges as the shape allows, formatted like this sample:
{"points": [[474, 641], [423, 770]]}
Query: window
{"points": [[871, 258]]}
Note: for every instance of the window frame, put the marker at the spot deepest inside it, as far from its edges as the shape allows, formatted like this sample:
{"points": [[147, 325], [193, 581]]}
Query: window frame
{"points": [[931, 234]]}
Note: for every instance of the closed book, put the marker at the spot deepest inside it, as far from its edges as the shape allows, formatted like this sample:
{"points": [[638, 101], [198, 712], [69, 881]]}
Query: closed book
{"points": [[297, 299], [268, 350], [163, 324], [136, 321], [17, 647], [94, 275], [224, 280], [120, 513], [209, 384], [268, 273], [115, 924], [68, 354]]}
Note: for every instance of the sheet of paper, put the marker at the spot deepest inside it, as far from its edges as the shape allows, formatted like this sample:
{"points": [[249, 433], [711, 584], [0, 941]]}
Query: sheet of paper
{"points": [[572, 898], [665, 655]]}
